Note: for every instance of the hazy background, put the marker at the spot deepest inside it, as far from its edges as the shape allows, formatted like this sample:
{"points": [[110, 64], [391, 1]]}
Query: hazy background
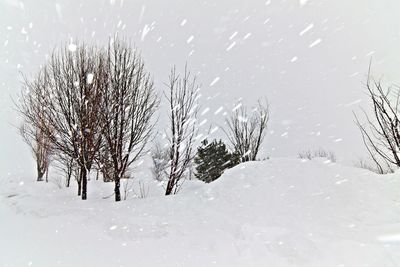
{"points": [[310, 58]]}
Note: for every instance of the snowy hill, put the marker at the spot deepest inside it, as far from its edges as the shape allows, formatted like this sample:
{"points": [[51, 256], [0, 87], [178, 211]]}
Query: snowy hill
{"points": [[280, 212]]}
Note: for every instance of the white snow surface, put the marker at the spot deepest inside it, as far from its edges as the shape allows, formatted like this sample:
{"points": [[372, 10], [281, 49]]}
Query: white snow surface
{"points": [[279, 212]]}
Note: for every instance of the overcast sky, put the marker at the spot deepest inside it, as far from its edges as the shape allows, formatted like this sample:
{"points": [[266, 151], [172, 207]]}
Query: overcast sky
{"points": [[310, 58]]}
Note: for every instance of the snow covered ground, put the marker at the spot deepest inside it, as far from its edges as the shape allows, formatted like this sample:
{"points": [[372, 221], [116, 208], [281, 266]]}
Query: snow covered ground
{"points": [[280, 212]]}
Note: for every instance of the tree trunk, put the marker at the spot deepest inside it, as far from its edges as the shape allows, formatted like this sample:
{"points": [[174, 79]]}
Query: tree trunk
{"points": [[40, 172], [40, 176], [84, 182], [69, 171], [170, 187], [47, 175], [79, 187], [68, 179], [117, 192]]}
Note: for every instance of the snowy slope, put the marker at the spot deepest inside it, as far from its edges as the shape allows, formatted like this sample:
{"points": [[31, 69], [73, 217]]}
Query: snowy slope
{"points": [[281, 212]]}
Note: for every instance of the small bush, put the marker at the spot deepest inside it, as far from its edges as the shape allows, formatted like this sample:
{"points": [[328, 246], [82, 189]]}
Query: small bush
{"points": [[319, 153]]}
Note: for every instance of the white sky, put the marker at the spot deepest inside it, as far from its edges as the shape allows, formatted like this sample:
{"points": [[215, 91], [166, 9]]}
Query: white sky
{"points": [[309, 58]]}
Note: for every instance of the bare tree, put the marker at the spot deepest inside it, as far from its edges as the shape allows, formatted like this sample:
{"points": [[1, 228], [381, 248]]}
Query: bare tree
{"points": [[127, 110], [68, 166], [33, 119], [160, 158], [182, 98], [104, 164], [40, 147], [72, 99], [381, 131], [246, 131]]}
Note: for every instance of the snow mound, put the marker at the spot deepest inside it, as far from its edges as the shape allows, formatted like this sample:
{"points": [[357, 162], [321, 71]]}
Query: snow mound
{"points": [[280, 212]]}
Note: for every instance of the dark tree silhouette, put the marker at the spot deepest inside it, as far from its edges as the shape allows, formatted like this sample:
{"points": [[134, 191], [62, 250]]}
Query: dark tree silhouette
{"points": [[213, 159]]}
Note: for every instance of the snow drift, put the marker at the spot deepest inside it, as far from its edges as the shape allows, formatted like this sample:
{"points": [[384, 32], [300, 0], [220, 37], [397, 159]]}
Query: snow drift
{"points": [[280, 212]]}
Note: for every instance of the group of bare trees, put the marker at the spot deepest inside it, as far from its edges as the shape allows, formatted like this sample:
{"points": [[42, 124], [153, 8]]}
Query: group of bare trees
{"points": [[92, 108], [89, 108]]}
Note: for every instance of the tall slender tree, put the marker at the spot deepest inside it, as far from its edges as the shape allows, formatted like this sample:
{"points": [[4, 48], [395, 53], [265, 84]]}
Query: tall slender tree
{"points": [[182, 98], [127, 110]]}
